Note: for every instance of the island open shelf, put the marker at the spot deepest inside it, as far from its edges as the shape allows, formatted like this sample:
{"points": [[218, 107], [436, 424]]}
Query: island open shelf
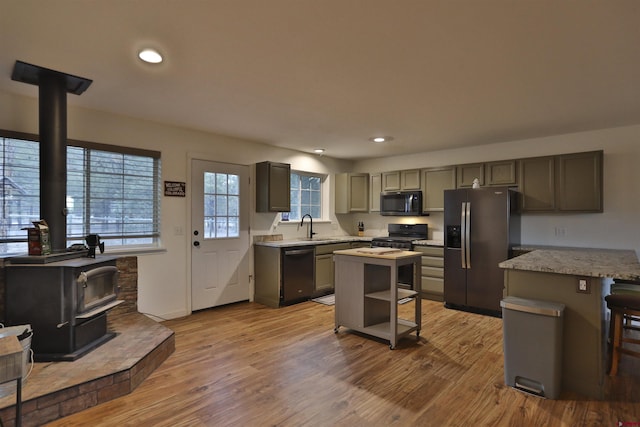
{"points": [[367, 293]]}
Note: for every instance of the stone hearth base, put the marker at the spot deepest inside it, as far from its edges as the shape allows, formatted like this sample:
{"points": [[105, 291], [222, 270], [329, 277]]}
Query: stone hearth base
{"points": [[57, 389]]}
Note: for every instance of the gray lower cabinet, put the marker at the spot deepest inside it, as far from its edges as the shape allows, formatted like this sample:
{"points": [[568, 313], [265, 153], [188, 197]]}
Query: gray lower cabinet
{"points": [[324, 267], [360, 244], [432, 272], [268, 275], [283, 275]]}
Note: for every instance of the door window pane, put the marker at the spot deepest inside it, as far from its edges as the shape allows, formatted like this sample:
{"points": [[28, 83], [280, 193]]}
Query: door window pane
{"points": [[221, 205]]}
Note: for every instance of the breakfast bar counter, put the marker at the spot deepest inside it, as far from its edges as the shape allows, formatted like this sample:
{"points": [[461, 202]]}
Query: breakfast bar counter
{"points": [[605, 263], [579, 279]]}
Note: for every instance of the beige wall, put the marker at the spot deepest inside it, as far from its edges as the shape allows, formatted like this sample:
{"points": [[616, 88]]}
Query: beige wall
{"points": [[163, 276]]}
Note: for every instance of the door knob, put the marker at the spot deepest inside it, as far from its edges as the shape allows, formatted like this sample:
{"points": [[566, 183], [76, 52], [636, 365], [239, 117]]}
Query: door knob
{"points": [[196, 243]]}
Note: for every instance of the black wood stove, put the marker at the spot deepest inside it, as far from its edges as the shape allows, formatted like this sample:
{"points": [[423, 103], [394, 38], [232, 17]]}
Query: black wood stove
{"points": [[65, 302]]}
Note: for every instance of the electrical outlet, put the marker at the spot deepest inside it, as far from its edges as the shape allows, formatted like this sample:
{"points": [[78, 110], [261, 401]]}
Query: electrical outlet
{"points": [[561, 232], [583, 286]]}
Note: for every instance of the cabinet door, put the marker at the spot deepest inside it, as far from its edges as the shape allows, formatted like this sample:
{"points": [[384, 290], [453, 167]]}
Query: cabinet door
{"points": [[391, 181], [579, 183], [467, 173], [410, 179], [324, 272], [537, 184], [501, 173], [375, 188], [273, 187], [351, 192], [434, 182], [358, 192]]}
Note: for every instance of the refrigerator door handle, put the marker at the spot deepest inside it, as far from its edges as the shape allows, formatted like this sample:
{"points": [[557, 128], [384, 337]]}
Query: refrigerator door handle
{"points": [[463, 233], [467, 236]]}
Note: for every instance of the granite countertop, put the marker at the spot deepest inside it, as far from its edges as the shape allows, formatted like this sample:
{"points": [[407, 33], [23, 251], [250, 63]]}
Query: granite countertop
{"points": [[611, 263], [315, 241], [432, 242]]}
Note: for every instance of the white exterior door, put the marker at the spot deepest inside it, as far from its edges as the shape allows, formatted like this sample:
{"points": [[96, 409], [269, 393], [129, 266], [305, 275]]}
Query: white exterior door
{"points": [[219, 234]]}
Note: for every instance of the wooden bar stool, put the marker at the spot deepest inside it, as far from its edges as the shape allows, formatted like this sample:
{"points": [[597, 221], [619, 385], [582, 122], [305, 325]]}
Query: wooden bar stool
{"points": [[623, 307], [630, 287]]}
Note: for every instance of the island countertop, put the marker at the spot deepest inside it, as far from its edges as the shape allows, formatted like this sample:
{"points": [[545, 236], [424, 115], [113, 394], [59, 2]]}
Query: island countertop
{"points": [[380, 253], [605, 263]]}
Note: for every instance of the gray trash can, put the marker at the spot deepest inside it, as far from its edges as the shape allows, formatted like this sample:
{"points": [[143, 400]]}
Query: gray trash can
{"points": [[532, 335]]}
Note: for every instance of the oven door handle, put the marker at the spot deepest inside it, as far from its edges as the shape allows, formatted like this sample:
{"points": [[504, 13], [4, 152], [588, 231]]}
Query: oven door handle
{"points": [[85, 276], [99, 310]]}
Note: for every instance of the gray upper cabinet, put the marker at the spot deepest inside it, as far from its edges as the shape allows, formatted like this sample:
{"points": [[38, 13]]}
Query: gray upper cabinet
{"points": [[410, 179], [563, 183], [537, 184], [391, 181], [375, 188], [467, 173], [273, 187], [351, 192], [434, 182], [401, 180], [501, 173], [579, 182]]}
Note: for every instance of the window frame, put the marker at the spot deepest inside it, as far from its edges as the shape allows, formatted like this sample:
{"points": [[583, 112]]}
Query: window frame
{"points": [[155, 176], [321, 193]]}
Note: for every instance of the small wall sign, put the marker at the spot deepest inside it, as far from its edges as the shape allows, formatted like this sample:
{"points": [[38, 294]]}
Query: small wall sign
{"points": [[175, 188]]}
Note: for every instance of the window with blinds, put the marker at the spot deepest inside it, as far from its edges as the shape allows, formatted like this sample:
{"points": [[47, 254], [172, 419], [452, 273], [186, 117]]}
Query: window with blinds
{"points": [[111, 191], [20, 192]]}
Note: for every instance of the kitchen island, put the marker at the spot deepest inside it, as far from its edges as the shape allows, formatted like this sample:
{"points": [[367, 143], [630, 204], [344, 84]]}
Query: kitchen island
{"points": [[367, 292], [579, 279]]}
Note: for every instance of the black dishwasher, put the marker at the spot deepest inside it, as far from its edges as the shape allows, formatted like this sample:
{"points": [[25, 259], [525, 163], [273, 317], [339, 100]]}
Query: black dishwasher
{"points": [[298, 273]]}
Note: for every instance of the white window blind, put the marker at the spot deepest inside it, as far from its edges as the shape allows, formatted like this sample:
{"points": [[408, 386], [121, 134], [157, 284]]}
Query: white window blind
{"points": [[20, 192], [111, 191], [115, 195]]}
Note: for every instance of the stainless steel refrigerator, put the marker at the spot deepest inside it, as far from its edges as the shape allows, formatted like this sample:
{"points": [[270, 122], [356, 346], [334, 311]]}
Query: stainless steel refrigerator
{"points": [[481, 226]]}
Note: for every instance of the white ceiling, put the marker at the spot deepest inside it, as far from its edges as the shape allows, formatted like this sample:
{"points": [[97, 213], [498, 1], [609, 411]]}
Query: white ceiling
{"points": [[332, 73]]}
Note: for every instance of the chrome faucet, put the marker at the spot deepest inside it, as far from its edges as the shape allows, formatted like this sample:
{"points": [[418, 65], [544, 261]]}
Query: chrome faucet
{"points": [[311, 233]]}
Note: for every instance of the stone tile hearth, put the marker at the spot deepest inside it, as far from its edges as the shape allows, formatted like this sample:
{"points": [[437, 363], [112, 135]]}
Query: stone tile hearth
{"points": [[56, 389]]}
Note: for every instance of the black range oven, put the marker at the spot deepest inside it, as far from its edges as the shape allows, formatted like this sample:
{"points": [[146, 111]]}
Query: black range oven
{"points": [[401, 236]]}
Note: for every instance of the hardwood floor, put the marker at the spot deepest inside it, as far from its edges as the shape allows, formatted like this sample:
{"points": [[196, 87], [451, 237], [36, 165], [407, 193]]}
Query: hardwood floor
{"points": [[250, 365]]}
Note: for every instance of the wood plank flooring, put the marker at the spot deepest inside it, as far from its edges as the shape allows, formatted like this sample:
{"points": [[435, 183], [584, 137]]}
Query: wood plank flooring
{"points": [[249, 365]]}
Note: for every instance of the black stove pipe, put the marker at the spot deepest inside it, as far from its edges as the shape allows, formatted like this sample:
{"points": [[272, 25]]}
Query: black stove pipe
{"points": [[53, 87], [53, 157]]}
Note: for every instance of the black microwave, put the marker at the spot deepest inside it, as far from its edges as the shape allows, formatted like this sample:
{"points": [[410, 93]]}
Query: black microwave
{"points": [[401, 203]]}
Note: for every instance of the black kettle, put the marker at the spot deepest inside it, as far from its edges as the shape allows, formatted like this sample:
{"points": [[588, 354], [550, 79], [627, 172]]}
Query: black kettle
{"points": [[93, 241]]}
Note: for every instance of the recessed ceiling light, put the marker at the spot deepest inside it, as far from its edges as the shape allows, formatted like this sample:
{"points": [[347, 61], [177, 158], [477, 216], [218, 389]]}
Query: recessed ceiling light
{"points": [[319, 150], [151, 56], [380, 139]]}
